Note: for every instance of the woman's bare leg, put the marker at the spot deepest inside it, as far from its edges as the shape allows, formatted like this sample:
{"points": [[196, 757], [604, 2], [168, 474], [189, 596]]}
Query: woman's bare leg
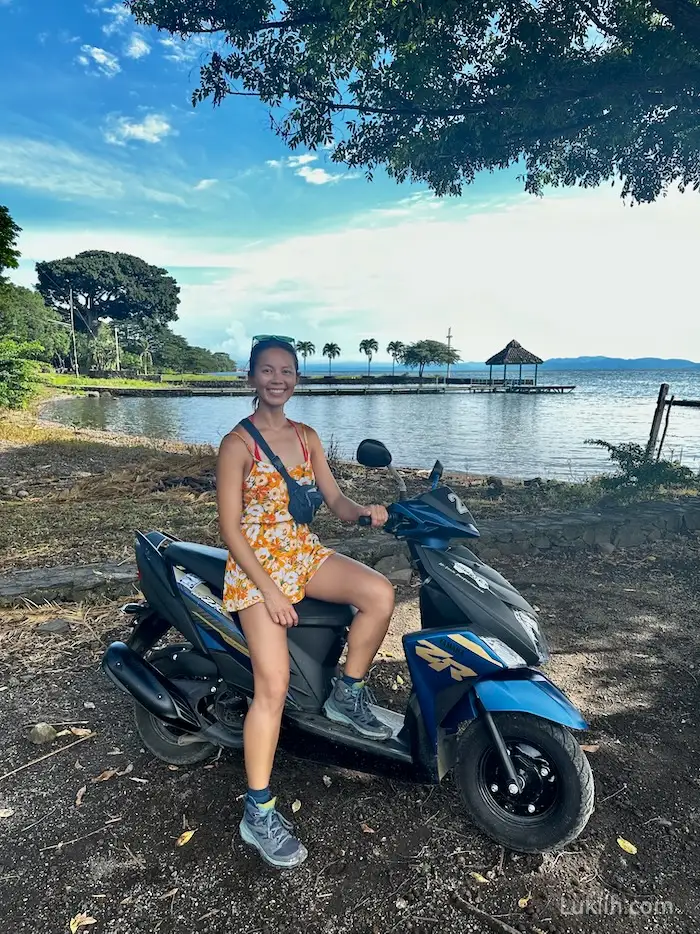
{"points": [[269, 654], [342, 580]]}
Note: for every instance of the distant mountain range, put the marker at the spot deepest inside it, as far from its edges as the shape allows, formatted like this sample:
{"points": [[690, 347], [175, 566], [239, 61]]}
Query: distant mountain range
{"points": [[618, 363]]}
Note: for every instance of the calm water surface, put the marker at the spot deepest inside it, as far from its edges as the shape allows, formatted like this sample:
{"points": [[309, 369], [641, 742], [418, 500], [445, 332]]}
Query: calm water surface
{"points": [[509, 435]]}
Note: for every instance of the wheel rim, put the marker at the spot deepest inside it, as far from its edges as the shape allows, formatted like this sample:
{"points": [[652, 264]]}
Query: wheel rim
{"points": [[538, 777], [169, 733]]}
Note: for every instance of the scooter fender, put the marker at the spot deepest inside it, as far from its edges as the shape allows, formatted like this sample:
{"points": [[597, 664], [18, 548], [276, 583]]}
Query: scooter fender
{"points": [[517, 690]]}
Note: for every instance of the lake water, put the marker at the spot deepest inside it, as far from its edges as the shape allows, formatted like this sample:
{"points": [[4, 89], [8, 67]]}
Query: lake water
{"points": [[508, 435]]}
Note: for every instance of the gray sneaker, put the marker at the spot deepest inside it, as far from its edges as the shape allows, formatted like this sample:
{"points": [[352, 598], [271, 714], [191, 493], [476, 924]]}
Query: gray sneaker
{"points": [[263, 827], [351, 706]]}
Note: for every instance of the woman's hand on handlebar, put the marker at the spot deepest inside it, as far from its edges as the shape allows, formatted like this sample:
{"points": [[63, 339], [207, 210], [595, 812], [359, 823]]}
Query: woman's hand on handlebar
{"points": [[374, 516], [280, 608]]}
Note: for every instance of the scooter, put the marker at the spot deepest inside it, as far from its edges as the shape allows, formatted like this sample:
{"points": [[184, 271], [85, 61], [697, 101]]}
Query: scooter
{"points": [[479, 706]]}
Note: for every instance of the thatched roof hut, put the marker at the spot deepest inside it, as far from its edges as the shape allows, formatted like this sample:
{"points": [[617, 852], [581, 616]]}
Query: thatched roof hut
{"points": [[513, 353]]}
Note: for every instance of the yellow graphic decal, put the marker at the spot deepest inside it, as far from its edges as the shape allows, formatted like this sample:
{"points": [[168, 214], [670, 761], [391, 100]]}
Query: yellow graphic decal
{"points": [[226, 636], [475, 648], [439, 660]]}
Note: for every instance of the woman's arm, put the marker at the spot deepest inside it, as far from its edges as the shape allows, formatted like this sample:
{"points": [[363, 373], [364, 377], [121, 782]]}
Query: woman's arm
{"points": [[230, 475], [346, 509]]}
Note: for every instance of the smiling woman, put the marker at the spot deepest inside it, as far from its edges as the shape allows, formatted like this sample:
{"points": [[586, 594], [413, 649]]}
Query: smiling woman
{"points": [[268, 468]]}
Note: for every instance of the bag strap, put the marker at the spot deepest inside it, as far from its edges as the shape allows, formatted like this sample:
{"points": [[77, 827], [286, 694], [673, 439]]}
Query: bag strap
{"points": [[264, 446]]}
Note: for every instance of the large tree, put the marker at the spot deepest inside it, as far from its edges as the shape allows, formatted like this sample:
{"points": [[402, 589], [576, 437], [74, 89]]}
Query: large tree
{"points": [[575, 91], [427, 352], [9, 231], [117, 286]]}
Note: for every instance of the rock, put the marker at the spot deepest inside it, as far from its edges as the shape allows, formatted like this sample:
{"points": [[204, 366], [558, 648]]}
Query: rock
{"points": [[606, 548], [42, 733], [543, 543], [88, 705], [92, 394], [8, 491], [402, 576], [22, 494], [392, 563], [82, 474], [54, 626]]}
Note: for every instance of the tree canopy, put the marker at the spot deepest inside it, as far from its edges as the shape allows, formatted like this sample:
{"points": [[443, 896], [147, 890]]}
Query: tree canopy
{"points": [[25, 318], [108, 285], [9, 231], [427, 352], [577, 92]]}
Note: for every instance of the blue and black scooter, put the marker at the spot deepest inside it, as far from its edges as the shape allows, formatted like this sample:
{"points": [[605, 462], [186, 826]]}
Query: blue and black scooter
{"points": [[479, 706]]}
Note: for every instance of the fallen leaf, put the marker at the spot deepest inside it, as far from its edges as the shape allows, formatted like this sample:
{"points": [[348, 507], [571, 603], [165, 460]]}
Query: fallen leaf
{"points": [[367, 829], [6, 812], [399, 679], [401, 903], [296, 806], [174, 768], [184, 838], [479, 877], [626, 845], [104, 776], [594, 747], [79, 796], [171, 894], [80, 731], [327, 781], [63, 733], [525, 900], [80, 921], [129, 768]]}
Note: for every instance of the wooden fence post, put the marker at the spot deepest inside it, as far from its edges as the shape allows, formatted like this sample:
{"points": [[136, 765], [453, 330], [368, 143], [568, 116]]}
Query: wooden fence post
{"points": [[656, 423]]}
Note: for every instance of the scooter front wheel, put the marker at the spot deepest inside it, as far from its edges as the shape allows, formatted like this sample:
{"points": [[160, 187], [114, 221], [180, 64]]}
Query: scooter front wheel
{"points": [[555, 796]]}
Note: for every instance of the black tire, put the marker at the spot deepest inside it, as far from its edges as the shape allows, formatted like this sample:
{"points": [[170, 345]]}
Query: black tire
{"points": [[562, 802], [158, 737]]}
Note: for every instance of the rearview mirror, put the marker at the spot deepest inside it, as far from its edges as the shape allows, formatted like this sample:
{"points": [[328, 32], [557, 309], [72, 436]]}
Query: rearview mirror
{"points": [[373, 454]]}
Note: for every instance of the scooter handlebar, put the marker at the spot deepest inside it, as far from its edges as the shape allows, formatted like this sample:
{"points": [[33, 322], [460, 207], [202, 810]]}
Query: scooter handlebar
{"points": [[364, 520]]}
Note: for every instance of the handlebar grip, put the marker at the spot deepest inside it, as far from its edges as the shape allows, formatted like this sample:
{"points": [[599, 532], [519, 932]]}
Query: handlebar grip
{"points": [[364, 520]]}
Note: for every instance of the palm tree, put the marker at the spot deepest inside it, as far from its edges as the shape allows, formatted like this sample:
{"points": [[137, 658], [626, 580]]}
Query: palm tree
{"points": [[306, 349], [395, 349], [369, 346], [331, 351]]}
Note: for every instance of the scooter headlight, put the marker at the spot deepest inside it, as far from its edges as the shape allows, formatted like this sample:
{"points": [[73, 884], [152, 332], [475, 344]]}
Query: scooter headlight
{"points": [[505, 653]]}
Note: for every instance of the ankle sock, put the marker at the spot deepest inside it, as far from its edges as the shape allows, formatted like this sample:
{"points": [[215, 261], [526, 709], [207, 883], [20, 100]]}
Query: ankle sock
{"points": [[261, 796], [351, 682]]}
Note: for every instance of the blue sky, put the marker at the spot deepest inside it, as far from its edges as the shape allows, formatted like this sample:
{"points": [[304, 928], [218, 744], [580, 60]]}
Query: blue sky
{"points": [[100, 148]]}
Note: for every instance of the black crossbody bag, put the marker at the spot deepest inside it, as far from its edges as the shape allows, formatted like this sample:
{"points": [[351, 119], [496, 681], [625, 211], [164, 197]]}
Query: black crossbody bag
{"points": [[305, 499]]}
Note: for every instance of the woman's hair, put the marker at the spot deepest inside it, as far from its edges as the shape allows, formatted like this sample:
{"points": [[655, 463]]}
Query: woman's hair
{"points": [[269, 344]]}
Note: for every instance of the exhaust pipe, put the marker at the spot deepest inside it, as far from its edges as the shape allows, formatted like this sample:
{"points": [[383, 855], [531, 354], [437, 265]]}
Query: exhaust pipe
{"points": [[136, 677]]}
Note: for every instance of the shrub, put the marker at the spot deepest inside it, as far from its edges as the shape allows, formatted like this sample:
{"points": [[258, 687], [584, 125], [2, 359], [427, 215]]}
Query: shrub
{"points": [[18, 373], [639, 474]]}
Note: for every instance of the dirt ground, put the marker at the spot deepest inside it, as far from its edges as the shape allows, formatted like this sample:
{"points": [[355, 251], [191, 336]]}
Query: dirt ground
{"points": [[386, 854]]}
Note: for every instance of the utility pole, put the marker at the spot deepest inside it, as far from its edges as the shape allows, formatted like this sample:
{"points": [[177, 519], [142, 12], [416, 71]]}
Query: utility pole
{"points": [[449, 345], [72, 328], [116, 344]]}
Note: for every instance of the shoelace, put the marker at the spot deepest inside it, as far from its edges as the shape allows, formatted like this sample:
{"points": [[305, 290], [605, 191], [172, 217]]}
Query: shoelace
{"points": [[364, 697], [277, 827]]}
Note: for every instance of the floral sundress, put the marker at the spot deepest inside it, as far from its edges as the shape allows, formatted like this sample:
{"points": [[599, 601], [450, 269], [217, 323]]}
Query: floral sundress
{"points": [[290, 552]]}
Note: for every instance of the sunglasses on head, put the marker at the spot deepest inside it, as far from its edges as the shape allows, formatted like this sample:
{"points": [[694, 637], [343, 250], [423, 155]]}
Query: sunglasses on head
{"points": [[272, 337]]}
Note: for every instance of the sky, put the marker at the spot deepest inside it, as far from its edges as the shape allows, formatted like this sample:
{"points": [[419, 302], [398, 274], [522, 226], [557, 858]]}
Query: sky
{"points": [[100, 148]]}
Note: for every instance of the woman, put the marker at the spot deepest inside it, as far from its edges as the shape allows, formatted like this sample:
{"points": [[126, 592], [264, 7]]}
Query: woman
{"points": [[273, 563]]}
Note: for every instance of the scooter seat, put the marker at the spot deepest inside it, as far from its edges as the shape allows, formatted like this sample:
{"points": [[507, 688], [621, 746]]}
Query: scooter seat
{"points": [[210, 564], [203, 560]]}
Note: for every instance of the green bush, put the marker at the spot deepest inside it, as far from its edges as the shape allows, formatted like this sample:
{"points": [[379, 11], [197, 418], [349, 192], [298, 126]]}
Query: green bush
{"points": [[18, 373], [639, 474]]}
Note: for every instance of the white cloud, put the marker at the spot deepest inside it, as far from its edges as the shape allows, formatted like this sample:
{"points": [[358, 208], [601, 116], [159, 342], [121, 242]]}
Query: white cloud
{"points": [[105, 63], [186, 51], [576, 273], [152, 129], [295, 161], [318, 176], [205, 183], [120, 16], [137, 47], [63, 173]]}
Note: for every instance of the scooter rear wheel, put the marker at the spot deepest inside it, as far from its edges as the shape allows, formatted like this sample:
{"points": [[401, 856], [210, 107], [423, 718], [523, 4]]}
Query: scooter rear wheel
{"points": [[158, 737], [556, 796]]}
